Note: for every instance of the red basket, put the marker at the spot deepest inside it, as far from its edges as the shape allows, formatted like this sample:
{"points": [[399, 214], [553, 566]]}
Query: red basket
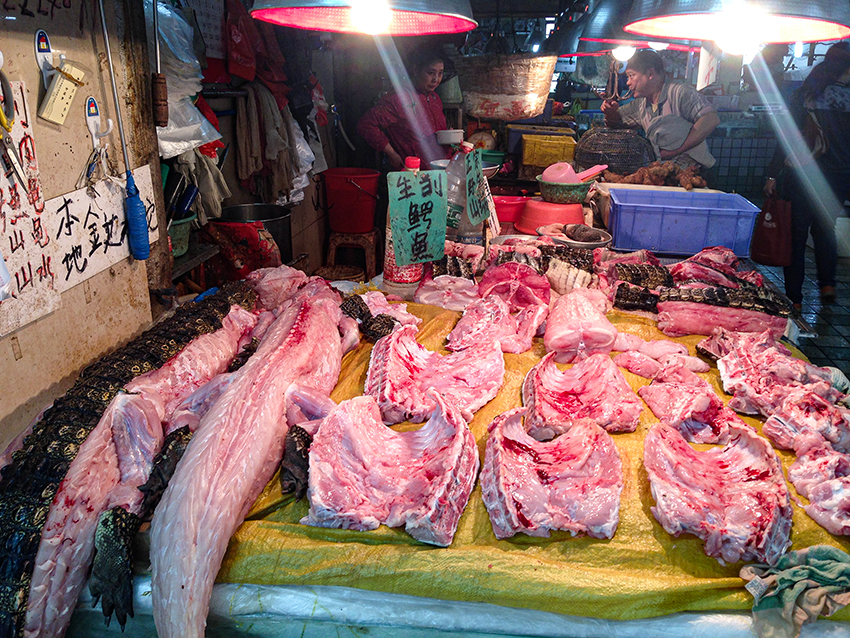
{"points": [[509, 208]]}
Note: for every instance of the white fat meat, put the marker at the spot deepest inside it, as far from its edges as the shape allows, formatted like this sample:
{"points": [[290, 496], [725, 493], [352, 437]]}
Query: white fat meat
{"points": [[489, 319], [447, 291], [822, 475], [594, 388], [571, 483], [577, 328], [401, 371], [734, 498], [231, 458], [364, 474], [694, 364], [519, 285]]}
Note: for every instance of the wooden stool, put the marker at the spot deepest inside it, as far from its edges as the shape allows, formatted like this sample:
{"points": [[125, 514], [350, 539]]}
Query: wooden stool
{"points": [[367, 241]]}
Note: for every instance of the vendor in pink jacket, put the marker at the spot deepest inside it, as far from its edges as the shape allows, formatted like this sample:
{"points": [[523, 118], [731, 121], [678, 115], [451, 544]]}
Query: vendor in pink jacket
{"points": [[403, 124]]}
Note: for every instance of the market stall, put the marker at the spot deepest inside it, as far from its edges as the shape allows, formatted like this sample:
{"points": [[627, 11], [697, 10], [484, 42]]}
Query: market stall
{"points": [[641, 574]]}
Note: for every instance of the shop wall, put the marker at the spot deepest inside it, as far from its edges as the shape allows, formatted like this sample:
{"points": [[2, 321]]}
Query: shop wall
{"points": [[39, 361]]}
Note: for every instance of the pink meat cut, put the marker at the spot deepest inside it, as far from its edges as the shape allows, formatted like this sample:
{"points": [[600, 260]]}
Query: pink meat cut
{"points": [[760, 376], [804, 419], [364, 474], [577, 328], [378, 305], [822, 475], [519, 285], [638, 363], [113, 461], [594, 388], [275, 285], [401, 371], [688, 270], [734, 498], [693, 408], [572, 483], [447, 291], [489, 319], [234, 453], [679, 318]]}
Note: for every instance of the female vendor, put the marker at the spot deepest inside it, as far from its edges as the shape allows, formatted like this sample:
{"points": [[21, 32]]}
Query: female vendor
{"points": [[403, 123]]}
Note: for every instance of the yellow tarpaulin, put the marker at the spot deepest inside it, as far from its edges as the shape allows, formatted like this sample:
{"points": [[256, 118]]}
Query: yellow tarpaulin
{"points": [[641, 572]]}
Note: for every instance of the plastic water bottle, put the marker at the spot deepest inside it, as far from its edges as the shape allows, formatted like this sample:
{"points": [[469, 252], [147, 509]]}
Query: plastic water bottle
{"points": [[458, 226], [400, 280]]}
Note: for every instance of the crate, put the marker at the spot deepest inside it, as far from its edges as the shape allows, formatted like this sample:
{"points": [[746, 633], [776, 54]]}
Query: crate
{"points": [[516, 131], [545, 150], [680, 223]]}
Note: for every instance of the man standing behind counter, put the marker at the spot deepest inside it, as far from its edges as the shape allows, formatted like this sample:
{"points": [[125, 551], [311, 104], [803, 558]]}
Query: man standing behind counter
{"points": [[674, 117]]}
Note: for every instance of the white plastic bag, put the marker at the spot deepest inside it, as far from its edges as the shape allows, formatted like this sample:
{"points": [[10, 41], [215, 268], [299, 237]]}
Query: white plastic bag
{"points": [[305, 162], [187, 128], [5, 280]]}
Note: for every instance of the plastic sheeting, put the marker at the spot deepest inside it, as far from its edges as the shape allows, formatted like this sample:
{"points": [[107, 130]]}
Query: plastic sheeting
{"points": [[642, 573], [318, 612]]}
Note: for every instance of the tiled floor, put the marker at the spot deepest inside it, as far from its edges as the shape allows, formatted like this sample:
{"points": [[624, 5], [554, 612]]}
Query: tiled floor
{"points": [[831, 322]]}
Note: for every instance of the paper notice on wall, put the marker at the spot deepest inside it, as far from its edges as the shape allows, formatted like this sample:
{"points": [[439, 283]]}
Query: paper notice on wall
{"points": [[709, 61], [26, 247], [90, 233]]}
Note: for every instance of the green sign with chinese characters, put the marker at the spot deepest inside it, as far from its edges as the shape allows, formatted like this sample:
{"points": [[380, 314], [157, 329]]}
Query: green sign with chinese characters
{"points": [[477, 208], [418, 215]]}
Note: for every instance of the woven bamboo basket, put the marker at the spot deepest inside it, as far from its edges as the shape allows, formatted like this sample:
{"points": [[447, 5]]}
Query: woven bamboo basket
{"points": [[622, 149], [505, 87]]}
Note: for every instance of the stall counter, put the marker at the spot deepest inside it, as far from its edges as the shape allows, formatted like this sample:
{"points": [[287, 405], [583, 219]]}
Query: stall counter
{"points": [[629, 585]]}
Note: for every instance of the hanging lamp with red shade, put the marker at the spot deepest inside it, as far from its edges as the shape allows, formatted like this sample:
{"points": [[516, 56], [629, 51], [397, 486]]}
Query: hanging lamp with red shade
{"points": [[764, 20], [373, 17]]}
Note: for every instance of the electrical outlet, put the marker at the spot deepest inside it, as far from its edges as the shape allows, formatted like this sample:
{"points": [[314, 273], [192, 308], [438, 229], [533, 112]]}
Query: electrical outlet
{"points": [[63, 87]]}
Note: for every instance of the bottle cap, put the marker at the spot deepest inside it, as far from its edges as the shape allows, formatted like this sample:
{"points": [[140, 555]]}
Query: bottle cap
{"points": [[412, 163]]}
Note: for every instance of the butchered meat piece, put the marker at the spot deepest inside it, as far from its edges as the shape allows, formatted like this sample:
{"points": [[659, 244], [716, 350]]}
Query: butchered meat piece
{"points": [[571, 483], [734, 498], [804, 419], [594, 388], [446, 291], [401, 371], [822, 475], [364, 474], [378, 305], [760, 376], [638, 363], [691, 270], [519, 285], [489, 319], [661, 347], [626, 341], [692, 407], [275, 285], [577, 328], [679, 318]]}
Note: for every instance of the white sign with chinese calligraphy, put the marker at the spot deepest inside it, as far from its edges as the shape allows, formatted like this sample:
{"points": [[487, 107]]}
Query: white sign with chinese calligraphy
{"points": [[26, 247], [90, 233]]}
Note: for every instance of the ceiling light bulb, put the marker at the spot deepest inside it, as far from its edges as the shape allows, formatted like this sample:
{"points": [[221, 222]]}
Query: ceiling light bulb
{"points": [[623, 53], [371, 16], [658, 46]]}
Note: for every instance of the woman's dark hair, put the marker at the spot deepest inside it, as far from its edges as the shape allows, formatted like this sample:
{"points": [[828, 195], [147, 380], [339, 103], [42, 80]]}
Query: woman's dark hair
{"points": [[835, 63], [422, 57]]}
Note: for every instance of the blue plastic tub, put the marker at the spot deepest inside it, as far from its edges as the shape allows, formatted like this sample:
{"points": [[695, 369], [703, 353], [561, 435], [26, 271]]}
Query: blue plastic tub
{"points": [[680, 223]]}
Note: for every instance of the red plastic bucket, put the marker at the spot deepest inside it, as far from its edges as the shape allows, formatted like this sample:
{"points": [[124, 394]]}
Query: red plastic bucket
{"points": [[351, 194]]}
